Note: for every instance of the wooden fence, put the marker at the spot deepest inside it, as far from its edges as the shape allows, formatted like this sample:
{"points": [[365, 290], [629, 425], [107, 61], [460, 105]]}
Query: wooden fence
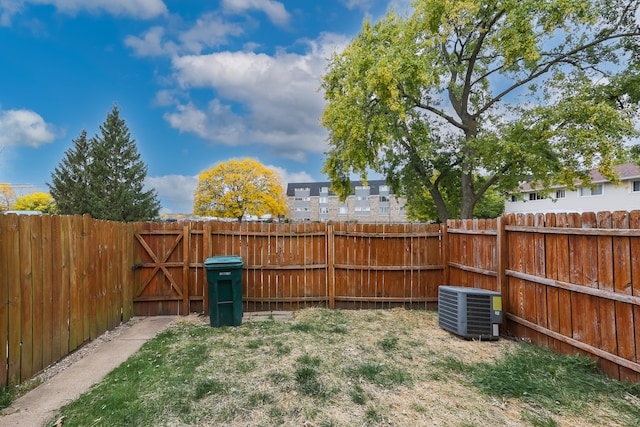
{"points": [[569, 281], [64, 280], [289, 266]]}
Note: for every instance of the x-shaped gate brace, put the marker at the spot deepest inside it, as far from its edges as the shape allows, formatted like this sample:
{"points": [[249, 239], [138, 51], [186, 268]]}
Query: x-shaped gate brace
{"points": [[157, 265]]}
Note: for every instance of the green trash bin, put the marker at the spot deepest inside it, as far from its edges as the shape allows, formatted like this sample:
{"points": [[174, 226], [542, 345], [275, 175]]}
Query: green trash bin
{"points": [[224, 279]]}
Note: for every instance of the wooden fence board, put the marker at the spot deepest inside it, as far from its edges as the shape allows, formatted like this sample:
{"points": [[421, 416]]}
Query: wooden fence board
{"points": [[564, 296], [56, 284], [26, 299], [14, 300], [529, 289], [4, 297], [622, 284], [551, 272], [85, 283], [516, 286], [607, 314], [539, 268], [75, 290], [634, 223], [37, 277], [591, 315]]}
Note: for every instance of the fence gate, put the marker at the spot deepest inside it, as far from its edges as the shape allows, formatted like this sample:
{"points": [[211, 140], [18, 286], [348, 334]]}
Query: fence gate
{"points": [[164, 270]]}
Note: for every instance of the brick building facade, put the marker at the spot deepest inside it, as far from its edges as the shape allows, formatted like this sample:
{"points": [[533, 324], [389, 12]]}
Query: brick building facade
{"points": [[371, 203]]}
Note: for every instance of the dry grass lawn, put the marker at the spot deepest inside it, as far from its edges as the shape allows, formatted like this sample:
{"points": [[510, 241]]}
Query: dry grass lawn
{"points": [[323, 368]]}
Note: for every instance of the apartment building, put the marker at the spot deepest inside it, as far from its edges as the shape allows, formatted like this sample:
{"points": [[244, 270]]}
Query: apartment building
{"points": [[371, 203], [602, 195]]}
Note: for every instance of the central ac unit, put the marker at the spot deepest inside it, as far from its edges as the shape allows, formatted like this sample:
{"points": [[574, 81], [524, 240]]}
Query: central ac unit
{"points": [[470, 313]]}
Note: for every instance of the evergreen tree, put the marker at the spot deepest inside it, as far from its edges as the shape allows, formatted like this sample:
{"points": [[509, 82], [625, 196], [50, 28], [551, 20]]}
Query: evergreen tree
{"points": [[69, 182], [114, 176], [117, 175]]}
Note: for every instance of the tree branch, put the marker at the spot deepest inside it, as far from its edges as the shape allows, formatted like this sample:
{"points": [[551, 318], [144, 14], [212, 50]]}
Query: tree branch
{"points": [[545, 67]]}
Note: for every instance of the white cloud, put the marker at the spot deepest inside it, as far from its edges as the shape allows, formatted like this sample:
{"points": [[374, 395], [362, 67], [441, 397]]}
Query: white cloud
{"points": [[273, 9], [24, 128], [151, 43], [165, 98], [357, 4], [8, 8], [141, 9], [175, 191], [288, 177], [279, 96], [209, 31]]}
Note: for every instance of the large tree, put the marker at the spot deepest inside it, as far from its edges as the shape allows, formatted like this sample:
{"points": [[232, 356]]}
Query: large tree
{"points": [[70, 179], [469, 95], [236, 188], [104, 176], [38, 201], [7, 197]]}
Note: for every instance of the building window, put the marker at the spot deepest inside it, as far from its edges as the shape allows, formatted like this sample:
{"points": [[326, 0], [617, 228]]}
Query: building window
{"points": [[363, 209], [324, 190], [361, 197], [324, 200], [362, 187], [513, 198], [588, 191], [384, 210], [561, 194], [303, 199], [342, 210], [636, 186], [384, 188], [324, 211], [302, 189], [384, 199], [535, 196]]}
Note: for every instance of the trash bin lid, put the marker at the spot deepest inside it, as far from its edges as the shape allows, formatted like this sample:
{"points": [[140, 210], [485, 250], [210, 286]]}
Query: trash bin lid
{"points": [[222, 262]]}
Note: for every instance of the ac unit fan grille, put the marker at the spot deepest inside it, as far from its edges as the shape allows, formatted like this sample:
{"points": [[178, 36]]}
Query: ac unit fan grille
{"points": [[478, 314]]}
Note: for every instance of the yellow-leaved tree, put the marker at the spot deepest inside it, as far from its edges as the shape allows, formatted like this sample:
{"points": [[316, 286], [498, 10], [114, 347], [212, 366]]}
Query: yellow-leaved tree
{"points": [[237, 188], [7, 197], [42, 202]]}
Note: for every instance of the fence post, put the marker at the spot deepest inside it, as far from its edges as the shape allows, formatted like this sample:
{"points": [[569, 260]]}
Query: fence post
{"points": [[444, 256], [331, 272], [207, 251], [186, 233], [502, 253]]}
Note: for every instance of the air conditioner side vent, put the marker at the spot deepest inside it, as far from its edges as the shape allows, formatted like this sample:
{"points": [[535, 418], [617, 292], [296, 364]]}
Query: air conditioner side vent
{"points": [[470, 313]]}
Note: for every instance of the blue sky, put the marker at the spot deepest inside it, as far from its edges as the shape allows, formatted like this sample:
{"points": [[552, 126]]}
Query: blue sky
{"points": [[198, 82]]}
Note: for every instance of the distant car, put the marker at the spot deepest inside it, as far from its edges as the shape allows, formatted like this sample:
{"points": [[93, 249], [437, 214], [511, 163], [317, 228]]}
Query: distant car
{"points": [[23, 212]]}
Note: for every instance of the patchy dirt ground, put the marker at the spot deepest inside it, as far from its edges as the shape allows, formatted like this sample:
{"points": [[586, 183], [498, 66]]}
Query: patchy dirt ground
{"points": [[431, 400]]}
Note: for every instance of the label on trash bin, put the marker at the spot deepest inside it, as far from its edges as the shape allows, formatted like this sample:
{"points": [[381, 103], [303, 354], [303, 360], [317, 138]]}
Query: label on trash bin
{"points": [[225, 273]]}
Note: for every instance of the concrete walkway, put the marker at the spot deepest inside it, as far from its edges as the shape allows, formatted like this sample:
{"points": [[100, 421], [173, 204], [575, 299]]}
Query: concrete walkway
{"points": [[41, 404]]}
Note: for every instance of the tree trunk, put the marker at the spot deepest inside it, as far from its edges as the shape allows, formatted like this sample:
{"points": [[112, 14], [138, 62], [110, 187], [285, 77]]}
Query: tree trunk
{"points": [[467, 201], [469, 198], [441, 206]]}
